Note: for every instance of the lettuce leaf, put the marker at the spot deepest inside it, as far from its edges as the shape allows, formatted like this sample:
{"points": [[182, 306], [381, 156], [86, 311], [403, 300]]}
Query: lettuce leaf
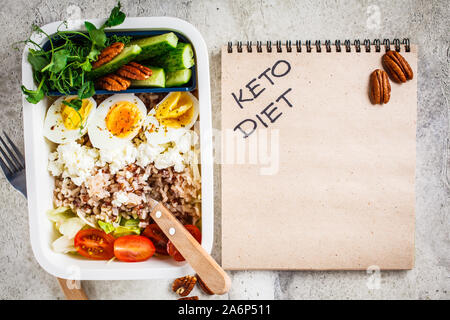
{"points": [[63, 245], [105, 226], [70, 227], [59, 215], [121, 231]]}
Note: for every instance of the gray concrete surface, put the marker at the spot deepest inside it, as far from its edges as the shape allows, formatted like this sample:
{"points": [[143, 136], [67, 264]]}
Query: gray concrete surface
{"points": [[426, 23]]}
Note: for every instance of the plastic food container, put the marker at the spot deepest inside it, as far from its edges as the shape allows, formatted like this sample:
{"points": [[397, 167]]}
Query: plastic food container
{"points": [[40, 183]]}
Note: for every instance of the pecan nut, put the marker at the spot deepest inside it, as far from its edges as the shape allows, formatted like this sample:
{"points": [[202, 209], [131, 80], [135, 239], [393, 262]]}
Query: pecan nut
{"points": [[397, 67], [379, 87], [112, 82], [203, 286], [108, 54], [189, 298], [134, 71], [184, 285]]}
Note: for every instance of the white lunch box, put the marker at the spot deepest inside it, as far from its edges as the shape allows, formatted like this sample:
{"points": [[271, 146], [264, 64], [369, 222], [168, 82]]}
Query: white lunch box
{"points": [[40, 183]]}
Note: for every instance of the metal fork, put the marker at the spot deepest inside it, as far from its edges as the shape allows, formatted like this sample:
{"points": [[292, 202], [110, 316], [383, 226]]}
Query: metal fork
{"points": [[12, 163]]}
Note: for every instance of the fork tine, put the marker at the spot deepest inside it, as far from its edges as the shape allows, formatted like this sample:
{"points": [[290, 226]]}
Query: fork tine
{"points": [[5, 168], [12, 157], [16, 150], [11, 166]]}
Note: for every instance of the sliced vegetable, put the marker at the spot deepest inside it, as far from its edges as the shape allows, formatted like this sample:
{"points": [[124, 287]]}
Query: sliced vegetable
{"points": [[86, 220], [159, 239], [121, 231], [178, 78], [94, 244], [157, 79], [59, 215], [176, 255], [177, 59], [105, 226], [127, 54], [130, 222], [63, 245], [156, 45], [133, 248], [70, 227]]}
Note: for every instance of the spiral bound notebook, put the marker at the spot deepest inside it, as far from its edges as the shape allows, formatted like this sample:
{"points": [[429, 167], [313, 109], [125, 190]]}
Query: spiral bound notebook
{"points": [[314, 176]]}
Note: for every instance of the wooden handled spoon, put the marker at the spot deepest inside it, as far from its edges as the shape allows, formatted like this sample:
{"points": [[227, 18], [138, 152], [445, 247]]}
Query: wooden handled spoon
{"points": [[215, 278]]}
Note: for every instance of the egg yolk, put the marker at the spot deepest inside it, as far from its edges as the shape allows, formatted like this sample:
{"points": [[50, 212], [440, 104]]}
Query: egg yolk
{"points": [[71, 118], [122, 118], [177, 111]]}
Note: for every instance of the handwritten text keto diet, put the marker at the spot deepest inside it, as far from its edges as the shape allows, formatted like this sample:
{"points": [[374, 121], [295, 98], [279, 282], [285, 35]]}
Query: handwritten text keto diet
{"points": [[253, 89]]}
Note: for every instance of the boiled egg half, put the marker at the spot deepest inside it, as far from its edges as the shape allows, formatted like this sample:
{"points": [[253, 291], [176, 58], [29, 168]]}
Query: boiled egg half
{"points": [[178, 110], [63, 123], [117, 120]]}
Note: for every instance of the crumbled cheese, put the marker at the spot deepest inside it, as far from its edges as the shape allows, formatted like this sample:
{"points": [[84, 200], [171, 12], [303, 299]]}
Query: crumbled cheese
{"points": [[167, 147], [72, 160], [120, 197], [118, 158]]}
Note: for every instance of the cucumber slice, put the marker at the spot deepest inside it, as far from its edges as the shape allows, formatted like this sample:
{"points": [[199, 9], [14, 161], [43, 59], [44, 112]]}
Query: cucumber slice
{"points": [[155, 46], [157, 79], [177, 59], [127, 54], [178, 78]]}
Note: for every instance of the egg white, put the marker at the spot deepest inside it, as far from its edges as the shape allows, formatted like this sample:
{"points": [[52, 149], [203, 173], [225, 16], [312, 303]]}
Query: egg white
{"points": [[54, 128], [99, 134], [159, 134], [196, 107]]}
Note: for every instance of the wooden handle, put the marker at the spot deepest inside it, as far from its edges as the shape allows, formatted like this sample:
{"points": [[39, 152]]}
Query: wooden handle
{"points": [[206, 267], [69, 287]]}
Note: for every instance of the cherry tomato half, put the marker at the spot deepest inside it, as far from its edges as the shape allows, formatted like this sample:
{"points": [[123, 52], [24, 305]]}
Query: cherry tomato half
{"points": [[94, 244], [176, 255], [159, 239], [133, 248]]}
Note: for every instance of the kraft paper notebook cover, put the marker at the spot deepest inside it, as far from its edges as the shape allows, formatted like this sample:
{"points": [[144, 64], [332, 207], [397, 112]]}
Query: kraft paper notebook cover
{"points": [[314, 176]]}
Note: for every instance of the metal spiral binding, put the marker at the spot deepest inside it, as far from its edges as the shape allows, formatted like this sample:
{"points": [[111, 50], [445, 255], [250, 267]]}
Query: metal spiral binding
{"points": [[328, 45], [288, 46], [278, 44], [337, 43], [407, 45], [298, 44], [387, 44], [308, 45], [317, 43], [318, 47], [396, 44], [347, 45], [357, 45], [230, 47], [258, 46], [377, 44], [367, 44], [239, 46]]}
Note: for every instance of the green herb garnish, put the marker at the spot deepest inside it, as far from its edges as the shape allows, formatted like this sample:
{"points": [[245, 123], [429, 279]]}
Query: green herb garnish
{"points": [[65, 65], [115, 38], [115, 18]]}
